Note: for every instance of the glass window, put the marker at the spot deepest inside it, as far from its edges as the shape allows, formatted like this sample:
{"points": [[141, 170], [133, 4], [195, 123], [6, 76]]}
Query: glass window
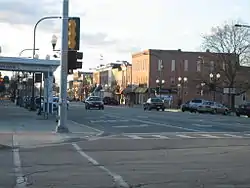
{"points": [[186, 65], [173, 65]]}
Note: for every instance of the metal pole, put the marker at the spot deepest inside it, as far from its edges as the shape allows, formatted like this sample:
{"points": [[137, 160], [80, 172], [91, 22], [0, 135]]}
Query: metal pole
{"points": [[34, 53], [62, 127], [21, 52]]}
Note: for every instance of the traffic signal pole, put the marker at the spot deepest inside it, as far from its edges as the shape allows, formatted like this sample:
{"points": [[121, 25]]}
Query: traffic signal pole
{"points": [[62, 123]]}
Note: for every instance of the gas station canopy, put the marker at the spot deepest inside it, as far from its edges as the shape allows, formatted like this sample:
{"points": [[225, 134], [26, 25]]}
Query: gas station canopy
{"points": [[29, 65]]}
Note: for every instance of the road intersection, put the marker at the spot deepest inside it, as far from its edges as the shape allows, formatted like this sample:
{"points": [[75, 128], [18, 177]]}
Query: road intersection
{"points": [[124, 147]]}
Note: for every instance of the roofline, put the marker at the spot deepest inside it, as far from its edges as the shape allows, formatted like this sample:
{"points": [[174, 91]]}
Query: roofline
{"points": [[28, 61]]}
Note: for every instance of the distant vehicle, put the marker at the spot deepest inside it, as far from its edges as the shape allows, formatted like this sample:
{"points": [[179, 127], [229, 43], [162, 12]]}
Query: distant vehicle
{"points": [[154, 103], [193, 104], [185, 106], [94, 102], [243, 109], [110, 101], [213, 107]]}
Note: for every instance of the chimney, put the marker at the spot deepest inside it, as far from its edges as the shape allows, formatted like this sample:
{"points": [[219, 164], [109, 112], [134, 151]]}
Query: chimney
{"points": [[207, 50]]}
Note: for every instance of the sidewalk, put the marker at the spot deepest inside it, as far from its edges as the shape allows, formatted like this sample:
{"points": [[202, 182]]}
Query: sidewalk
{"points": [[27, 129]]}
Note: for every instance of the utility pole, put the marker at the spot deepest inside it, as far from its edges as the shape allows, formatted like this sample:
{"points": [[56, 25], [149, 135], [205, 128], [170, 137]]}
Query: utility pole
{"points": [[62, 127]]}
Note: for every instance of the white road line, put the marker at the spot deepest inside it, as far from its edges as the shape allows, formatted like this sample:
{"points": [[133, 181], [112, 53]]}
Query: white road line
{"points": [[164, 125], [130, 126], [184, 136], [20, 179], [134, 137], [160, 136], [234, 136], [82, 125], [209, 136], [202, 125], [119, 181]]}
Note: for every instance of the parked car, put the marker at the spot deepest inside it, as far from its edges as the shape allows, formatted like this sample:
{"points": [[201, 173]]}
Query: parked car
{"points": [[94, 102], [193, 104], [243, 109], [213, 107], [154, 103], [185, 106]]}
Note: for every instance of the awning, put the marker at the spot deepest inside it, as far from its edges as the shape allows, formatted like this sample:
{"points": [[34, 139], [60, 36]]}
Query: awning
{"points": [[166, 90], [141, 90]]}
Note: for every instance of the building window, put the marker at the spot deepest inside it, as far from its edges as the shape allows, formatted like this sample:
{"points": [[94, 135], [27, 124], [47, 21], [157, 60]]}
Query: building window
{"points": [[224, 66], [198, 66], [211, 66], [173, 65], [186, 65], [172, 80]]}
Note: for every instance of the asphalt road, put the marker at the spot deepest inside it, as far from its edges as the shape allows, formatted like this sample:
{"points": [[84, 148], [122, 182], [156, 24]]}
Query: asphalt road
{"points": [[117, 120], [182, 163], [136, 150]]}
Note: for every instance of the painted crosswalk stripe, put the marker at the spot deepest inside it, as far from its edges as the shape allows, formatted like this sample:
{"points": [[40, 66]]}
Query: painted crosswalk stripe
{"points": [[247, 134], [234, 136], [184, 136], [209, 136], [134, 137], [160, 136]]}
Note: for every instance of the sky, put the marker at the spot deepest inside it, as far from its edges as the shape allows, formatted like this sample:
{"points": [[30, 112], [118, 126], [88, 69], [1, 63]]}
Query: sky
{"points": [[114, 28]]}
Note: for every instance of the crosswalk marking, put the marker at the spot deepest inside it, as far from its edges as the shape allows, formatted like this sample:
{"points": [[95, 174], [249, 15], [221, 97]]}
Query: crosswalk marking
{"points": [[169, 136], [134, 137], [209, 136], [160, 136], [184, 136], [109, 121], [234, 136]]}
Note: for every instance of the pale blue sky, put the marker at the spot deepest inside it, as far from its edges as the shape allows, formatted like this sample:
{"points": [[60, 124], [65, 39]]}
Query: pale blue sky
{"points": [[116, 28]]}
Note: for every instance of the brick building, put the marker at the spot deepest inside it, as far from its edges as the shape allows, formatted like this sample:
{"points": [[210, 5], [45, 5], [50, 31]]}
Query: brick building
{"points": [[185, 74]]}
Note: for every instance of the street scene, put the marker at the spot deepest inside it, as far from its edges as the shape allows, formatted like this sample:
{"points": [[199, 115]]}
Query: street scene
{"points": [[95, 95]]}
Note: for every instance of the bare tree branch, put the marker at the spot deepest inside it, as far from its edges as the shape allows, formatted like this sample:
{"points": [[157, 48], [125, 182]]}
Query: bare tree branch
{"points": [[232, 47]]}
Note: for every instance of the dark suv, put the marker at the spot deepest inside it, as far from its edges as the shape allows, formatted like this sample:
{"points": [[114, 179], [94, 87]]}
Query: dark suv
{"points": [[94, 102], [154, 103], [243, 109]]}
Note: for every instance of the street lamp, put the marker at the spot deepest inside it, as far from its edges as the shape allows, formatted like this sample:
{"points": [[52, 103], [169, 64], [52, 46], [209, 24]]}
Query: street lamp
{"points": [[27, 49], [202, 86], [214, 78], [54, 41], [34, 53], [160, 83], [182, 81]]}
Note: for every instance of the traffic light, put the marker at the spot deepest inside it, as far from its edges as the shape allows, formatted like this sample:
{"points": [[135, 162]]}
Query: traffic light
{"points": [[74, 33], [73, 61], [79, 56]]}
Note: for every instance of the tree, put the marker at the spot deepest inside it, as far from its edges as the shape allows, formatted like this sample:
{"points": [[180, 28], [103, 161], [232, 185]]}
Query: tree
{"points": [[231, 45]]}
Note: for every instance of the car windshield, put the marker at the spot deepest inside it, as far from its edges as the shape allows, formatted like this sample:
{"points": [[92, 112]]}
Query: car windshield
{"points": [[197, 101], [94, 99], [156, 100], [55, 100]]}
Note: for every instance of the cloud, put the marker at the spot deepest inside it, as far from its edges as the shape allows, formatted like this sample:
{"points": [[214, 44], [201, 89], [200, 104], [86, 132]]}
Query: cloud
{"points": [[28, 11], [101, 40]]}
